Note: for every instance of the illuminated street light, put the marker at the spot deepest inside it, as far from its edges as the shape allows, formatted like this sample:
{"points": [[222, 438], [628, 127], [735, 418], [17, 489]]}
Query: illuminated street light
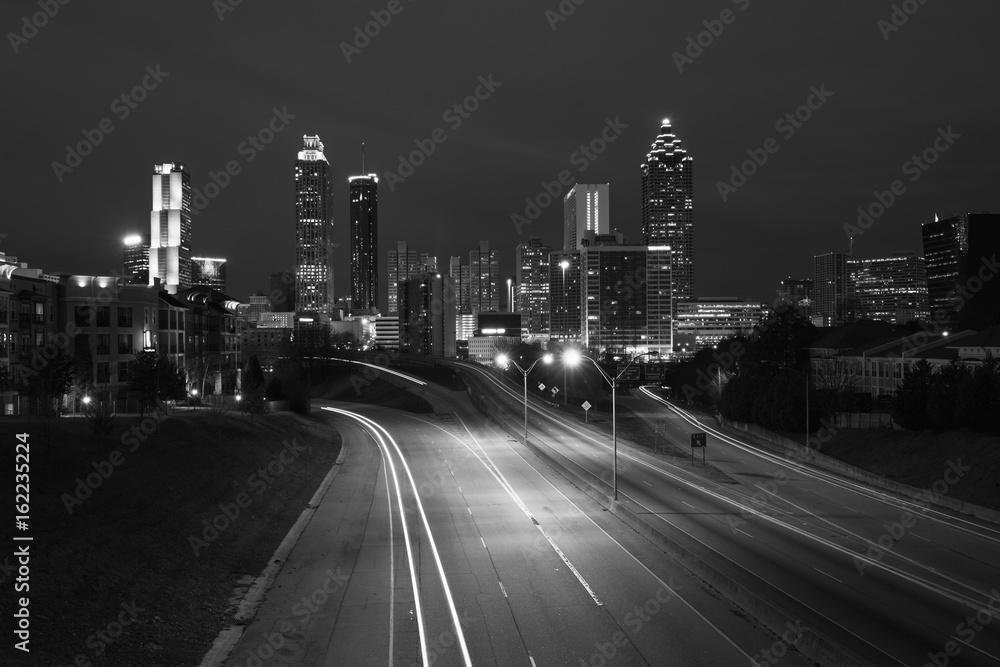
{"points": [[503, 360], [572, 358]]}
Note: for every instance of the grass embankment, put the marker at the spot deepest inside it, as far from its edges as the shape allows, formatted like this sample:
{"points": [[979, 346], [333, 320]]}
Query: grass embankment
{"points": [[921, 458], [364, 384], [118, 579]]}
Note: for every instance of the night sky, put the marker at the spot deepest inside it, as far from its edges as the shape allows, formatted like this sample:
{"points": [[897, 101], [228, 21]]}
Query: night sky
{"points": [[892, 91]]}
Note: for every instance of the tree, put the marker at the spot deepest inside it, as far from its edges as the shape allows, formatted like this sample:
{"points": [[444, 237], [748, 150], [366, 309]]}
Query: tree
{"points": [[909, 406], [834, 380], [142, 380], [253, 402], [46, 379]]}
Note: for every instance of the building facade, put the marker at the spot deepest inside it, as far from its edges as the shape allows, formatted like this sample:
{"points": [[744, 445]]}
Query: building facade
{"points": [[427, 316], [484, 279], [586, 208], [364, 243], [565, 296], [135, 258], [170, 227], [959, 251], [833, 291], [705, 321], [892, 289], [668, 207], [533, 275], [313, 229]]}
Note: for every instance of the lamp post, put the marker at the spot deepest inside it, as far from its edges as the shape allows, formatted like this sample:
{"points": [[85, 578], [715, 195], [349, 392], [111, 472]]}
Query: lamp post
{"points": [[564, 265], [572, 357], [503, 360]]}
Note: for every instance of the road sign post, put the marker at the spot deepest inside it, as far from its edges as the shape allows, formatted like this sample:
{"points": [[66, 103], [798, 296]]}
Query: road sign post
{"points": [[586, 410], [698, 440]]}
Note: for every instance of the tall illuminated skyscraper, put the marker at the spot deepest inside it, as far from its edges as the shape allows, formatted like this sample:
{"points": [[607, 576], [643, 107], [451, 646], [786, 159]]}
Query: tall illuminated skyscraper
{"points": [[533, 282], [364, 243], [313, 229], [586, 208], [484, 278], [668, 207], [135, 258], [170, 227]]}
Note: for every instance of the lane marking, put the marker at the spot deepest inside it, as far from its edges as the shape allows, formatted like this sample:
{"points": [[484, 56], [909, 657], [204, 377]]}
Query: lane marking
{"points": [[378, 428]]}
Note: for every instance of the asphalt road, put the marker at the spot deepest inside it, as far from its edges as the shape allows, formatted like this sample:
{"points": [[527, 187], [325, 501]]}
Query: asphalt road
{"points": [[898, 583], [443, 542]]}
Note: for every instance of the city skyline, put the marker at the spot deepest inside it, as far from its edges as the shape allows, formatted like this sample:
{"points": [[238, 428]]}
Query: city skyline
{"points": [[909, 96]]}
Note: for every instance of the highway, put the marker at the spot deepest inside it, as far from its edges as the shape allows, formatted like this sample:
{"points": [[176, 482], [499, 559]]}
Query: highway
{"points": [[452, 545], [808, 537]]}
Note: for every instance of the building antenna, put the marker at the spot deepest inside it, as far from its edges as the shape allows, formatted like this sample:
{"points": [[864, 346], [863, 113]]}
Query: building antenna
{"points": [[362, 157]]}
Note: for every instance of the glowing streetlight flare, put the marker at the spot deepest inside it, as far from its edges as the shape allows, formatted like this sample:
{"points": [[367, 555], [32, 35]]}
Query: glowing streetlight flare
{"points": [[572, 357]]}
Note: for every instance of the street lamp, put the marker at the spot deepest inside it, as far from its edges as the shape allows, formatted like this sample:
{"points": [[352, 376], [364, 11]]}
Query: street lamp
{"points": [[194, 398], [573, 357], [503, 360]]}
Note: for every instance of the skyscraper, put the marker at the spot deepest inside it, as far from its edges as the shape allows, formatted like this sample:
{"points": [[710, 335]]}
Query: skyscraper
{"points": [[364, 243], [891, 289], [484, 278], [962, 286], [797, 292], [313, 228], [833, 291], [170, 227], [586, 208], [403, 265], [565, 296], [533, 285], [135, 258], [668, 207]]}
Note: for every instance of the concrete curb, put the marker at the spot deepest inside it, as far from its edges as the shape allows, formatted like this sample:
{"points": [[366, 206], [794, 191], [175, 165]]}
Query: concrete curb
{"points": [[230, 636], [802, 454], [771, 608]]}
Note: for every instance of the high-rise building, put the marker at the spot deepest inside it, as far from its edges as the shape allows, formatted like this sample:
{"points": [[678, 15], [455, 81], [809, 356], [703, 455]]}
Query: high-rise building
{"points": [[259, 305], [586, 208], [668, 207], [892, 289], [461, 278], [798, 293], [565, 296], [209, 272], [364, 243], [282, 294], [427, 315], [532, 259], [404, 264], [484, 278], [626, 296], [959, 251], [313, 229], [135, 259], [170, 227], [833, 291]]}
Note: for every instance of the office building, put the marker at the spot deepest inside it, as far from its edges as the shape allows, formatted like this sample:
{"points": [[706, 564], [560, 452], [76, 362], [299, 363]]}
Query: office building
{"points": [[565, 296], [532, 264], [313, 229], [484, 279], [586, 208], [427, 316], [170, 227], [135, 259], [705, 321], [364, 243], [833, 291], [626, 296], [961, 272], [282, 292], [403, 265], [668, 207], [209, 272], [892, 289]]}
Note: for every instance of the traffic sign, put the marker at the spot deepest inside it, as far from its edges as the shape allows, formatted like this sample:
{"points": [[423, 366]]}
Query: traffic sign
{"points": [[541, 387], [698, 440], [555, 390], [586, 405]]}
